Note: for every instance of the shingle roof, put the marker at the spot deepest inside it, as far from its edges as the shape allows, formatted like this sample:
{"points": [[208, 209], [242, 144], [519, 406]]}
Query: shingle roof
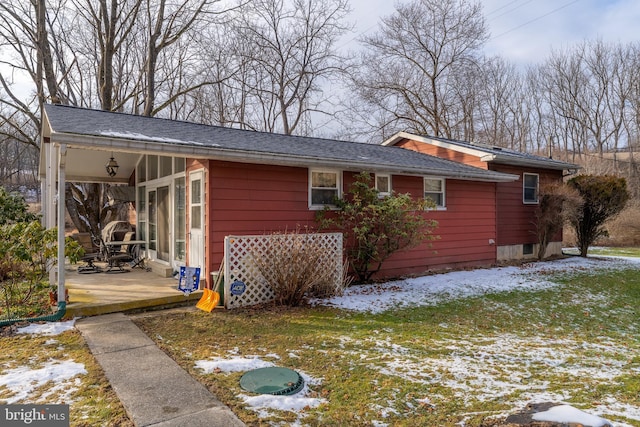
{"points": [[149, 134], [489, 153]]}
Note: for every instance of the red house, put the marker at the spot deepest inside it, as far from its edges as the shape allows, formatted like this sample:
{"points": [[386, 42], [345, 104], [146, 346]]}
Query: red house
{"points": [[516, 201], [196, 184]]}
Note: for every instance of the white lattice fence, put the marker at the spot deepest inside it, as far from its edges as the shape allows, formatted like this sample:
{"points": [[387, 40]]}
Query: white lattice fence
{"points": [[243, 282]]}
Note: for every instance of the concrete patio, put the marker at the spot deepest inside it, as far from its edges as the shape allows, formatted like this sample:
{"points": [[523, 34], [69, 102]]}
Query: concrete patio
{"points": [[137, 289]]}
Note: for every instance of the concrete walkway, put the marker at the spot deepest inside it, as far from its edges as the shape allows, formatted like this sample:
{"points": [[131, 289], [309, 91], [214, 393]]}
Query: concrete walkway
{"points": [[154, 390]]}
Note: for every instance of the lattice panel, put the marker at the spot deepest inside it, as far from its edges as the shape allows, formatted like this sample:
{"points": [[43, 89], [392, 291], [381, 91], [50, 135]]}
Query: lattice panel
{"points": [[239, 268]]}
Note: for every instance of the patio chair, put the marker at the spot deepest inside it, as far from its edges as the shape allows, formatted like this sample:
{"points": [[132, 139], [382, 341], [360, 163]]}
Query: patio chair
{"points": [[92, 253], [118, 257]]}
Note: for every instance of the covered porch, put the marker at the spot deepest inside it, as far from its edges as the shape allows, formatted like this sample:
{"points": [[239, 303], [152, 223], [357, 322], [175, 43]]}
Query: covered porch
{"points": [[138, 289], [155, 176]]}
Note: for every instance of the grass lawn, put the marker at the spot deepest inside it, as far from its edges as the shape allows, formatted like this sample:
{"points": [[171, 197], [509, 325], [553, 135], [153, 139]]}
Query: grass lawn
{"points": [[609, 251], [463, 360], [58, 369], [459, 362]]}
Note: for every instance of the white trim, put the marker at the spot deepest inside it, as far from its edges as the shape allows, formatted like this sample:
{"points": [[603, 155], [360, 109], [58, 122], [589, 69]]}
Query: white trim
{"points": [[338, 174], [388, 191], [530, 202], [484, 155], [442, 144], [443, 182], [101, 143]]}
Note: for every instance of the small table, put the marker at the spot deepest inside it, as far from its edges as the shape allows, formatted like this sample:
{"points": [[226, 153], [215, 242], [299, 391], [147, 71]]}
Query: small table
{"points": [[125, 242]]}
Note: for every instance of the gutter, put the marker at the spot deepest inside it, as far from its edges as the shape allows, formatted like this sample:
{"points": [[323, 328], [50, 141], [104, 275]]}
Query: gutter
{"points": [[90, 142], [533, 163]]}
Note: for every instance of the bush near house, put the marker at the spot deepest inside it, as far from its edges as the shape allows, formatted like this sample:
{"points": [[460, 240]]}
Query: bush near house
{"points": [[604, 197], [296, 267], [558, 203], [377, 227], [27, 252]]}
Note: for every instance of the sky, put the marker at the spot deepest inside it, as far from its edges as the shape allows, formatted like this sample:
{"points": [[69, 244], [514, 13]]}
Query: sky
{"points": [[470, 368], [525, 31]]}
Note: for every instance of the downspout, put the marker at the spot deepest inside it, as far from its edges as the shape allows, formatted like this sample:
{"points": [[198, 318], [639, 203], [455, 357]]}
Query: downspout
{"points": [[62, 303]]}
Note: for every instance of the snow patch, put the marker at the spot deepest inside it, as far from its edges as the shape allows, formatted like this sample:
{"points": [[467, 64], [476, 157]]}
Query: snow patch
{"points": [[22, 381], [48, 328], [143, 137], [439, 288], [569, 414]]}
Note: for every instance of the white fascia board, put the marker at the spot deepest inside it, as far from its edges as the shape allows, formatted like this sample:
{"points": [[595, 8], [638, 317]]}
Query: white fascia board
{"points": [[442, 144], [104, 143]]}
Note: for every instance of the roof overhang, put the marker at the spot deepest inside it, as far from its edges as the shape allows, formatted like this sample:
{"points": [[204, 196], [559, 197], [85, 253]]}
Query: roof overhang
{"points": [[482, 154], [86, 165]]}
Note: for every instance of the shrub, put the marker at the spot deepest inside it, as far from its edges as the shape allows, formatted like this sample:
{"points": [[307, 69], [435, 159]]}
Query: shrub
{"points": [[558, 203], [376, 227], [295, 266], [27, 251], [13, 208], [604, 197]]}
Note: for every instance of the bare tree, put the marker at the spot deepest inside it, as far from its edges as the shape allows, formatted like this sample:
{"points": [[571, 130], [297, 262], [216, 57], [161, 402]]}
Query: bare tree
{"points": [[411, 67], [288, 50]]}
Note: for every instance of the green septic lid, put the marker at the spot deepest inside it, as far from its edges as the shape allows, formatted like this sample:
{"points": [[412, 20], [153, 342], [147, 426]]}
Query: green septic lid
{"points": [[277, 381]]}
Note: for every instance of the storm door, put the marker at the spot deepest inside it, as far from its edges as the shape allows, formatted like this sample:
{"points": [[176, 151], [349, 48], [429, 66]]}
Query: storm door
{"points": [[196, 220]]}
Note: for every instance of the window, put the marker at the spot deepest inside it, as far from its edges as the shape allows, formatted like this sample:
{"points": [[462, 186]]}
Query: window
{"points": [[142, 169], [152, 164], [166, 164], [179, 164], [383, 185], [434, 190], [180, 222], [530, 188], [324, 188]]}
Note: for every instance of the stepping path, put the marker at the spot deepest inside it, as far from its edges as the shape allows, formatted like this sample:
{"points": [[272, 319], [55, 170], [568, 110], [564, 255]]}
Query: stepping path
{"points": [[154, 390]]}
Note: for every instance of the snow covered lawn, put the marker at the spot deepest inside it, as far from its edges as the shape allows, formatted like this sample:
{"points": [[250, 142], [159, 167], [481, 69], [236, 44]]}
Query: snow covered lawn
{"points": [[49, 363], [454, 349], [446, 349]]}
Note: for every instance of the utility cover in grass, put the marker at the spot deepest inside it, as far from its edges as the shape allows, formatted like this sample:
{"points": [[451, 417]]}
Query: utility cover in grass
{"points": [[272, 380]]}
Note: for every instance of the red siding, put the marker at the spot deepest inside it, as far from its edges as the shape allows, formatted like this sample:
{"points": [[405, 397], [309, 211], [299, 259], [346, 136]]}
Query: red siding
{"points": [[255, 199], [261, 199], [464, 229], [441, 152], [516, 220]]}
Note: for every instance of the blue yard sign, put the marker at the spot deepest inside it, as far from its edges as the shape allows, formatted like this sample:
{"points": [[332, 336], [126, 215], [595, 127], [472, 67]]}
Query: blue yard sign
{"points": [[237, 288], [189, 280]]}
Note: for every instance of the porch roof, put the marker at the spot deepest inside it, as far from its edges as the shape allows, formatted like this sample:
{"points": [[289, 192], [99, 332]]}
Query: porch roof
{"points": [[84, 131]]}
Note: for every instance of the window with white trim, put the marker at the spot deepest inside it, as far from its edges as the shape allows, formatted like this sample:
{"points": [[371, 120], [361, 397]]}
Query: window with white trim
{"points": [[434, 190], [324, 188], [530, 182], [383, 184]]}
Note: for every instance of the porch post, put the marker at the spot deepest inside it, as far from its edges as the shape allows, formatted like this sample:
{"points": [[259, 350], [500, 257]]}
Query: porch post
{"points": [[61, 211], [48, 198]]}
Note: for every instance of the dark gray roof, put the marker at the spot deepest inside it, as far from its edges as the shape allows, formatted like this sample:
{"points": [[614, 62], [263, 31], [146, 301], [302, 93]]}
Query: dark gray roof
{"points": [[508, 156], [78, 126]]}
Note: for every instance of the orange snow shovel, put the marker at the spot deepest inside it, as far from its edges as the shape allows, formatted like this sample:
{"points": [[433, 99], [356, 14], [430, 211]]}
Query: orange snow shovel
{"points": [[209, 300]]}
